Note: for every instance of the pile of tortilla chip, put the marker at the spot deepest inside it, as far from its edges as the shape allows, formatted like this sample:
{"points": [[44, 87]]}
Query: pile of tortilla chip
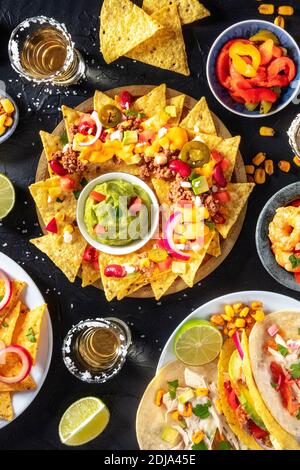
{"points": [[18, 326], [53, 202], [151, 34]]}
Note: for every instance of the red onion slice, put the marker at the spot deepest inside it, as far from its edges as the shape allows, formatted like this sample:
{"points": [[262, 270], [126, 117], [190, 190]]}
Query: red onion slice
{"points": [[174, 220], [238, 345], [25, 359]]}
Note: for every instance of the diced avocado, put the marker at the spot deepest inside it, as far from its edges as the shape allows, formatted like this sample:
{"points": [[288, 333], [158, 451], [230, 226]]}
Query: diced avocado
{"points": [[200, 185], [171, 110], [186, 396], [169, 435], [130, 137], [235, 367], [248, 404]]}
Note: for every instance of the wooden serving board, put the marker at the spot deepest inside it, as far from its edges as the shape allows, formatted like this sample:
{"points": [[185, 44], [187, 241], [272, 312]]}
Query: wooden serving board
{"points": [[239, 176]]}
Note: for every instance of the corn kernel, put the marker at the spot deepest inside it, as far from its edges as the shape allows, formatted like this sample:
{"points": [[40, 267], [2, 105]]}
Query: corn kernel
{"points": [[259, 315], [229, 311], [237, 307], [260, 176], [296, 160], [267, 131], [257, 305], [249, 169], [244, 312], [7, 105], [266, 9], [197, 437], [240, 323], [284, 166], [285, 10], [279, 21], [226, 317], [231, 332], [175, 415], [159, 396], [269, 167], [230, 325], [69, 228], [8, 121], [259, 158], [2, 130], [187, 410], [201, 392], [217, 320]]}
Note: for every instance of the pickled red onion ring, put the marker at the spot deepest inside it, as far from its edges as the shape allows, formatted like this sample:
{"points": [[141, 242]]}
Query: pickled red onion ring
{"points": [[170, 246], [99, 128], [7, 290], [25, 359], [238, 345]]}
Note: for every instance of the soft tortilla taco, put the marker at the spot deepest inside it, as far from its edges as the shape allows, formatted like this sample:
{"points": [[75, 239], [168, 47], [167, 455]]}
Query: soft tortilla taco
{"points": [[180, 410], [274, 352]]}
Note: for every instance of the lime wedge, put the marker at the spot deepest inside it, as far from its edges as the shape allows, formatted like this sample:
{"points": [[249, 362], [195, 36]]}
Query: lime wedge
{"points": [[83, 421], [197, 342], [7, 196]]}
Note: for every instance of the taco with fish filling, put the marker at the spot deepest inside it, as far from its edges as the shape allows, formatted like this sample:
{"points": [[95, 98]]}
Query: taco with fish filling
{"points": [[180, 411], [274, 355]]}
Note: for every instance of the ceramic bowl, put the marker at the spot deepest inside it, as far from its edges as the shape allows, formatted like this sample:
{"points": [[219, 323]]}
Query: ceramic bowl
{"points": [[10, 130]]}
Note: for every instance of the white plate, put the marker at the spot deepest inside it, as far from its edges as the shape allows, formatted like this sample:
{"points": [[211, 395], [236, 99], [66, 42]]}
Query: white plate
{"points": [[271, 301], [32, 297]]}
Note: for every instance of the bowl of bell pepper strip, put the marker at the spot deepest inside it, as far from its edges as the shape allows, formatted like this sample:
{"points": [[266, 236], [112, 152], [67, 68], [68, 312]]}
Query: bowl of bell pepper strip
{"points": [[253, 68]]}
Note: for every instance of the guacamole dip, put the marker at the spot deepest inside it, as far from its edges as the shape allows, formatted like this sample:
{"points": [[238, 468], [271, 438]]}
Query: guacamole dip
{"points": [[117, 212]]}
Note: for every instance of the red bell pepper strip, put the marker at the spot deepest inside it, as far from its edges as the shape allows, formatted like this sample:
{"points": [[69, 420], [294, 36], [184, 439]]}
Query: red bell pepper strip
{"points": [[256, 431], [255, 95], [281, 69]]}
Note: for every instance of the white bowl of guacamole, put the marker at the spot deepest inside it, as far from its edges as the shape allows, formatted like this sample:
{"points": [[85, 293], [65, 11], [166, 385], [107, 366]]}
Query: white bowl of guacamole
{"points": [[117, 213]]}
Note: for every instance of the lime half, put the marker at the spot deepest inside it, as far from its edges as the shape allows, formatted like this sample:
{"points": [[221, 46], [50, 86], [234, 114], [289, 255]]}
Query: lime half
{"points": [[83, 421], [7, 196], [197, 342]]}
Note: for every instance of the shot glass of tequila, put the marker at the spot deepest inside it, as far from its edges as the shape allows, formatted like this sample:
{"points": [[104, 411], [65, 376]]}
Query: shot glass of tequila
{"points": [[41, 50], [95, 350]]}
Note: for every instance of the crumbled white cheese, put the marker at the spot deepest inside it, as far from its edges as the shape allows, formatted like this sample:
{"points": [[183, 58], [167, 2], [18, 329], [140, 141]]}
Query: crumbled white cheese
{"points": [[66, 148], [185, 184], [196, 128], [198, 139], [117, 135], [68, 237], [49, 199], [129, 268], [198, 201], [162, 131]]}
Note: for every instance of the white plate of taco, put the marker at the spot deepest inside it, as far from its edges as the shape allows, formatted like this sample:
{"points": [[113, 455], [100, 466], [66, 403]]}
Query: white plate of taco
{"points": [[25, 324]]}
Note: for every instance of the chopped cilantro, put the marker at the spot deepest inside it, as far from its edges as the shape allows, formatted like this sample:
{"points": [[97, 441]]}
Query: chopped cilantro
{"points": [[295, 370], [193, 175], [200, 446], [283, 350], [298, 331], [64, 138], [202, 410], [31, 336], [274, 385], [172, 386], [83, 182], [210, 224], [5, 325], [224, 445], [294, 261], [77, 194], [59, 200], [298, 414]]}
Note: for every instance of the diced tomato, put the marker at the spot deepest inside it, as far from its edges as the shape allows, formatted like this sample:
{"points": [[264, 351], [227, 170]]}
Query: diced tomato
{"points": [[218, 218], [256, 431], [90, 255], [225, 164], [125, 99], [99, 229], [52, 226], [147, 136], [232, 398], [222, 197], [67, 183], [266, 51], [278, 376], [297, 277], [164, 265], [255, 95], [135, 206], [217, 156], [98, 197], [87, 125], [277, 51], [280, 69], [295, 203], [287, 399]]}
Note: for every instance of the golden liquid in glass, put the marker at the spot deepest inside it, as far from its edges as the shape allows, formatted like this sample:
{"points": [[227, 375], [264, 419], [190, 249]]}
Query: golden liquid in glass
{"points": [[97, 348], [44, 52]]}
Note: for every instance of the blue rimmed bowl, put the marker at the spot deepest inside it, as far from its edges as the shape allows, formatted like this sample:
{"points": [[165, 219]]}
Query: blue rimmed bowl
{"points": [[15, 116], [246, 29], [282, 198]]}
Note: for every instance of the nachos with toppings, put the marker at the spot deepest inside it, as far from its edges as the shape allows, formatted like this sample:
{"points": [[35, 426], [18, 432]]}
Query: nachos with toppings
{"points": [[178, 154]]}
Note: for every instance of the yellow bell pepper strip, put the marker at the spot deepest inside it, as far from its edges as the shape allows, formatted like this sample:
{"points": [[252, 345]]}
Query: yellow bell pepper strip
{"points": [[264, 35], [239, 49]]}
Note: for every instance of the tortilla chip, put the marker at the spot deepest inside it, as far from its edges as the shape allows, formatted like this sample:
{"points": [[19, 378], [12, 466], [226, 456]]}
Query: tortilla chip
{"points": [[162, 189], [89, 274], [189, 10], [71, 117], [51, 144], [24, 386], [195, 262], [65, 203], [140, 282], [214, 248], [117, 287], [243, 436], [6, 409], [166, 48], [101, 99], [153, 102], [66, 256], [178, 102], [239, 193], [18, 287], [32, 324], [286, 440], [7, 327], [212, 141], [161, 283], [200, 119], [229, 148], [123, 27]]}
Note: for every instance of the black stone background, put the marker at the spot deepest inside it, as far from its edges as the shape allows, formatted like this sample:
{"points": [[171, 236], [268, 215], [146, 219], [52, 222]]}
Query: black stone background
{"points": [[151, 322]]}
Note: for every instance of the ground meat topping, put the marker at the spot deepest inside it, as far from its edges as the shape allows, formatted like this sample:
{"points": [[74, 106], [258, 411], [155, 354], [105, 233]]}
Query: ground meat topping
{"points": [[57, 155], [71, 162], [211, 204], [73, 129], [178, 193], [158, 166]]}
